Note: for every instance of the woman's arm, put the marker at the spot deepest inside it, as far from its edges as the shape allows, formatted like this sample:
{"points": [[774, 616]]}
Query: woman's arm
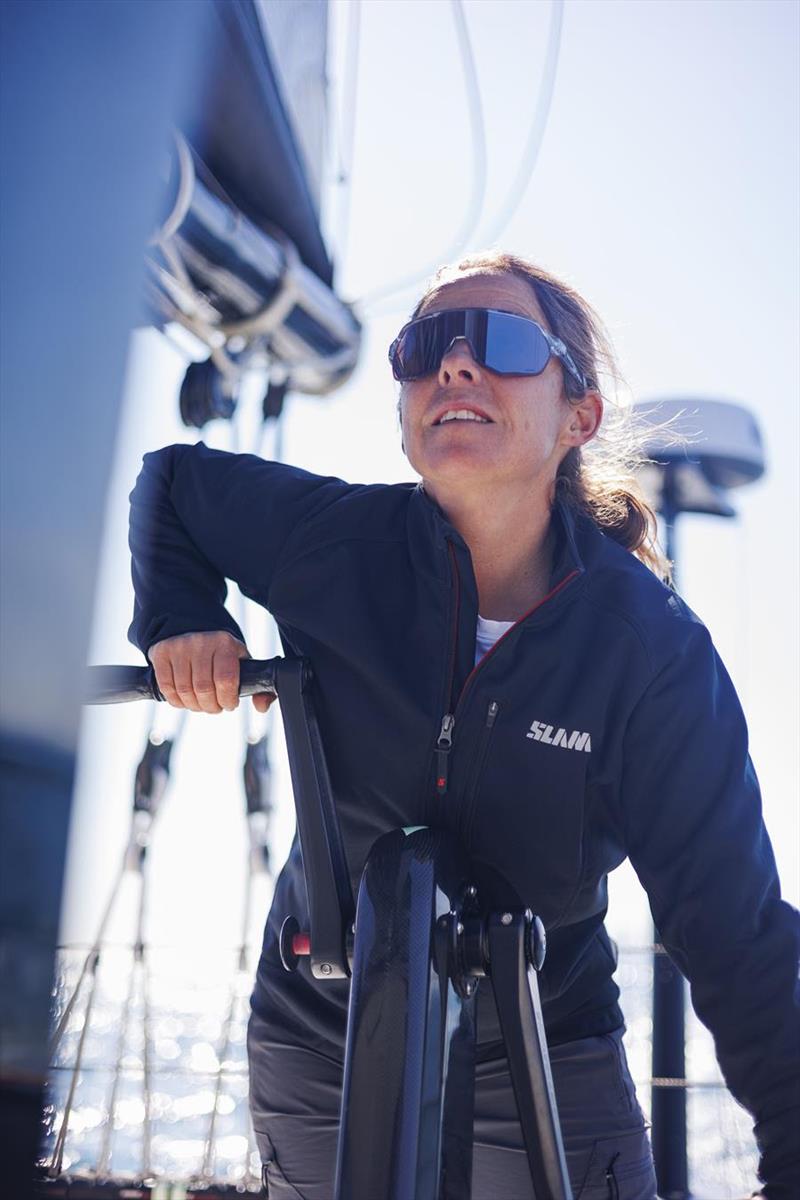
{"points": [[199, 517], [695, 835]]}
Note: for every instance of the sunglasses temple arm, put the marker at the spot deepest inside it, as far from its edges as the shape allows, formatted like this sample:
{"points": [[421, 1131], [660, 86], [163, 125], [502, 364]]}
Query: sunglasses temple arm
{"points": [[563, 353]]}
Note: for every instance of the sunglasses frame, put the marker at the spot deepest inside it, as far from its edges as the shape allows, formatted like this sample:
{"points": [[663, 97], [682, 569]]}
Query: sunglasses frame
{"points": [[555, 345]]}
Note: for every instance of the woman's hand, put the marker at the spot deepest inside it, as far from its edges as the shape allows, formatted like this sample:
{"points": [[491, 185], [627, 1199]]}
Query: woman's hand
{"points": [[200, 671]]}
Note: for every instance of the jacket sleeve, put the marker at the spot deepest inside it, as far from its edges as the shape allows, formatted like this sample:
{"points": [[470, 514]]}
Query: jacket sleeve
{"points": [[696, 838], [201, 516]]}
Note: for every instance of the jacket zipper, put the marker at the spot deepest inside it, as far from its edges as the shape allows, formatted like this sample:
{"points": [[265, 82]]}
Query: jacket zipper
{"points": [[445, 739], [480, 758], [444, 742]]}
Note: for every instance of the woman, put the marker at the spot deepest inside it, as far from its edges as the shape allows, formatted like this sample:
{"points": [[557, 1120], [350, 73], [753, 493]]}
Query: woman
{"points": [[493, 656]]}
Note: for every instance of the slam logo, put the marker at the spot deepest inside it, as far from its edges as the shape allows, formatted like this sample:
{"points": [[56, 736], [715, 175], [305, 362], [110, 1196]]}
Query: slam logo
{"points": [[574, 740]]}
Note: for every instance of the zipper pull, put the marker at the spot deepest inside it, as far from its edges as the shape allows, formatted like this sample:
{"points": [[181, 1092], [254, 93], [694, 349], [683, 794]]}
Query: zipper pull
{"points": [[491, 714], [444, 743]]}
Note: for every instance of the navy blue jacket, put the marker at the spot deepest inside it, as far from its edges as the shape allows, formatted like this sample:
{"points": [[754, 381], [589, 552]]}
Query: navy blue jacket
{"points": [[601, 725]]}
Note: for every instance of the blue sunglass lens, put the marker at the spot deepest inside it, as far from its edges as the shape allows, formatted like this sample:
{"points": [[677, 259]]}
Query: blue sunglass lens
{"points": [[502, 342], [515, 345]]}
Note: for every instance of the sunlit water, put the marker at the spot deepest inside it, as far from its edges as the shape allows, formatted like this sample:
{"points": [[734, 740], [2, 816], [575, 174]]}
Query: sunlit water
{"points": [[197, 1071], [198, 1117]]}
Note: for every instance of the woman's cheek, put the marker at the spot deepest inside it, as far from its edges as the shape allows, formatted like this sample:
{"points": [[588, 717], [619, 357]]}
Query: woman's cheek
{"points": [[407, 408]]}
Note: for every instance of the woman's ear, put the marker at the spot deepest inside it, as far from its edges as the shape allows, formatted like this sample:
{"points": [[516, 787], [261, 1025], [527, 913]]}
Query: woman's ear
{"points": [[584, 419]]}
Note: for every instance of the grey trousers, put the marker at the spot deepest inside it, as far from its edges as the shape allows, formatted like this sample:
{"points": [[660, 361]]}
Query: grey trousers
{"points": [[295, 1095]]}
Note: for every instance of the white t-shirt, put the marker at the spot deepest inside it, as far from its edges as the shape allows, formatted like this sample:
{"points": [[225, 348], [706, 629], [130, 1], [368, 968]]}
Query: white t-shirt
{"points": [[487, 634]]}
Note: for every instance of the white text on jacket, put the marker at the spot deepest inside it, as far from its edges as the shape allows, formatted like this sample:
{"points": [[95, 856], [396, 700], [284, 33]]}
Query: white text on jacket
{"points": [[575, 740]]}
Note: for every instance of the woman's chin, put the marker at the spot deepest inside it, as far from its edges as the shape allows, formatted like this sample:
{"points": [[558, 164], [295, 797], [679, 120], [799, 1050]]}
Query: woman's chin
{"points": [[459, 454], [462, 471]]}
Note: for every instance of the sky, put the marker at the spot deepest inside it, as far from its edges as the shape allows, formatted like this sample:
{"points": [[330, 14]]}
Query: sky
{"points": [[666, 192]]}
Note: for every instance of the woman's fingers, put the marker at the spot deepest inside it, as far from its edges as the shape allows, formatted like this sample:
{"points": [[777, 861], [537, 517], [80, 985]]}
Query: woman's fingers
{"points": [[199, 671], [161, 657], [204, 679], [226, 673], [191, 669]]}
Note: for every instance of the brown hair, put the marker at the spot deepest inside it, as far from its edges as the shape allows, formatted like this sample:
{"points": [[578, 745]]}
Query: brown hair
{"points": [[600, 482]]}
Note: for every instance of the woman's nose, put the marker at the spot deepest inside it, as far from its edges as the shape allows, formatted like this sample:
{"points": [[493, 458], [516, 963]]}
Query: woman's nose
{"points": [[458, 363]]}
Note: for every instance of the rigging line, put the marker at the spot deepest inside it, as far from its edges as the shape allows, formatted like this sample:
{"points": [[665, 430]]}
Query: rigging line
{"points": [[225, 1036], [90, 966], [91, 958], [58, 1152], [346, 138], [165, 1072], [160, 731], [678, 1081], [479, 173], [530, 155], [239, 603], [533, 143], [275, 426], [273, 639], [104, 1158], [141, 961]]}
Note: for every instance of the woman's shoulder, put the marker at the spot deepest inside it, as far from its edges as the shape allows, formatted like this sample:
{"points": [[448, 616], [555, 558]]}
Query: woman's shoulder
{"points": [[198, 465], [366, 511], [631, 595]]}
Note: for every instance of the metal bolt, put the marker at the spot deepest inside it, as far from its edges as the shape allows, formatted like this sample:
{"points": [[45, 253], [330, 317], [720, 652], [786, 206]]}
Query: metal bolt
{"points": [[506, 919], [472, 890], [326, 968], [459, 928]]}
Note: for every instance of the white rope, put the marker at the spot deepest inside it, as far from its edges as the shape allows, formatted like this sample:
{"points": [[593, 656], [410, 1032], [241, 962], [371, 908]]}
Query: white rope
{"points": [[477, 142], [533, 142], [516, 192]]}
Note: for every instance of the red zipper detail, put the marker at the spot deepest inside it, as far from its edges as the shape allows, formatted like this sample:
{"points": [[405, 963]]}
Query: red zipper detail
{"points": [[444, 741], [454, 630], [524, 617]]}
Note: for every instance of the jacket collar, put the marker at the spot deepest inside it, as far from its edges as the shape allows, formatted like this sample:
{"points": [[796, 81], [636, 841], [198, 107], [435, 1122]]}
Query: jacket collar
{"points": [[578, 539], [567, 557]]}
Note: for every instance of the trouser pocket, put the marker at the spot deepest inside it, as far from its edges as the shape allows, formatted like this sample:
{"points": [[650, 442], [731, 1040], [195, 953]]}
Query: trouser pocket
{"points": [[604, 1133], [276, 1185], [619, 1168]]}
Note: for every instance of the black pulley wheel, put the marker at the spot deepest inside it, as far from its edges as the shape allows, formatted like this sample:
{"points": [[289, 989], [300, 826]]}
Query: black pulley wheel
{"points": [[272, 404], [203, 396]]}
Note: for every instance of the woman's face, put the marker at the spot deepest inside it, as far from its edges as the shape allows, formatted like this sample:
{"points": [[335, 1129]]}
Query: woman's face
{"points": [[530, 425]]}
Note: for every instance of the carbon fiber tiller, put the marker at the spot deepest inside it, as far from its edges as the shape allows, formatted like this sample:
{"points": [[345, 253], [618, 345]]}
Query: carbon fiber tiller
{"points": [[516, 951], [330, 895]]}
